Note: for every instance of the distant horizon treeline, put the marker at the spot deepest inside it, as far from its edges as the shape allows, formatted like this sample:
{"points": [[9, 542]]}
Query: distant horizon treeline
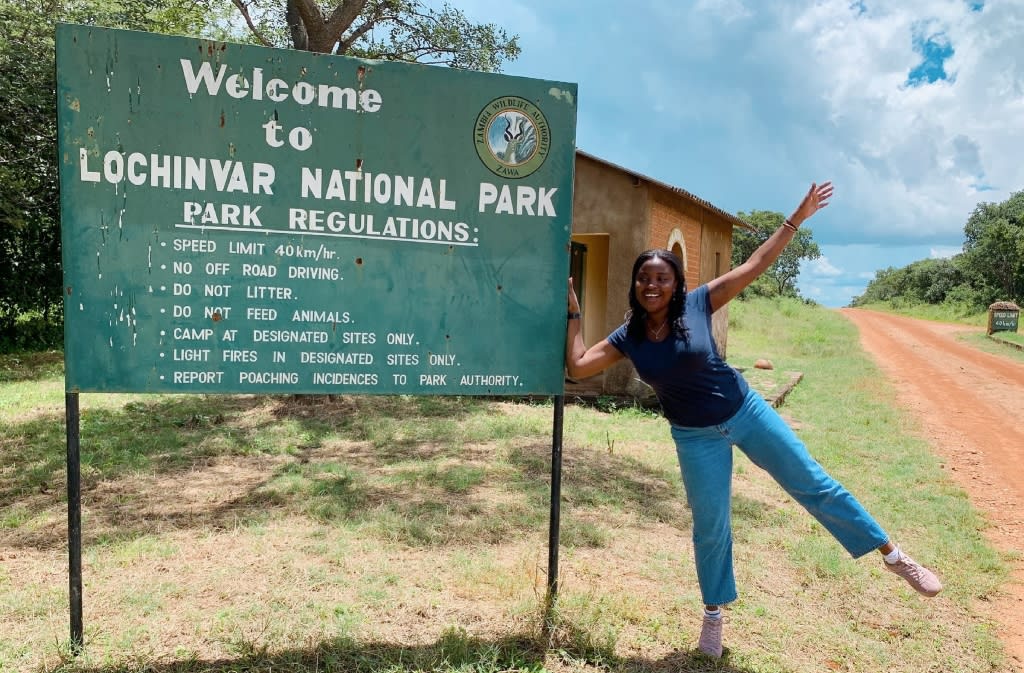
{"points": [[990, 268]]}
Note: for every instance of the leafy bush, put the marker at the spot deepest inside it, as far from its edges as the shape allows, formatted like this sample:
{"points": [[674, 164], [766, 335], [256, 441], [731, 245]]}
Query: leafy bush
{"points": [[31, 332]]}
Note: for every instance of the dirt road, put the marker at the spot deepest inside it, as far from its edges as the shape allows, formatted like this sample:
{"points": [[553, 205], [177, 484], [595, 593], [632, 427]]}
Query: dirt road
{"points": [[971, 406]]}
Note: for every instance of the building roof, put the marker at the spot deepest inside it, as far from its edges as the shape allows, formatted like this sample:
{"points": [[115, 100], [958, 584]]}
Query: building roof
{"points": [[736, 222]]}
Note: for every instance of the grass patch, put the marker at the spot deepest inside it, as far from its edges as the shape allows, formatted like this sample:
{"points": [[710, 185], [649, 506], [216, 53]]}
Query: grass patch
{"points": [[939, 312], [394, 534], [995, 344]]}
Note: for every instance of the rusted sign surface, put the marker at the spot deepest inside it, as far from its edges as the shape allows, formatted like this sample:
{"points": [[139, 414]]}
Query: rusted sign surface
{"points": [[243, 219]]}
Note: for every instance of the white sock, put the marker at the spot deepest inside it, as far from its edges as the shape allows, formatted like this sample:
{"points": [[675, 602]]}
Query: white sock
{"points": [[892, 557], [716, 614]]}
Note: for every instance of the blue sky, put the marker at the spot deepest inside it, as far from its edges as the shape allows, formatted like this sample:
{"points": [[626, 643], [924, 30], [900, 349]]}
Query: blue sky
{"points": [[913, 108]]}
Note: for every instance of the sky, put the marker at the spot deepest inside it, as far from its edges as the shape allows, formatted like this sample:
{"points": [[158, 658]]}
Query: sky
{"points": [[913, 108]]}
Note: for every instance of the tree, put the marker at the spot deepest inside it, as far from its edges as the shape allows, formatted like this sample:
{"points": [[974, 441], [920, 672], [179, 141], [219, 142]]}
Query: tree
{"points": [[30, 250], [780, 278], [926, 281], [394, 30], [993, 256], [29, 237]]}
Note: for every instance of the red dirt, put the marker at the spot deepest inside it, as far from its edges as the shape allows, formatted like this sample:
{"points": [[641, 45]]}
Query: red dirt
{"points": [[969, 404]]}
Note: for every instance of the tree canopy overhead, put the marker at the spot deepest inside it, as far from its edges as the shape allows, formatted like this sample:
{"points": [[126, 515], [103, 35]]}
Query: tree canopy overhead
{"points": [[395, 30]]}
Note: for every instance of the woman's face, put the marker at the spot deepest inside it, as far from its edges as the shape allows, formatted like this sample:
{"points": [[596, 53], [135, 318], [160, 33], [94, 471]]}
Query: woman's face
{"points": [[655, 283]]}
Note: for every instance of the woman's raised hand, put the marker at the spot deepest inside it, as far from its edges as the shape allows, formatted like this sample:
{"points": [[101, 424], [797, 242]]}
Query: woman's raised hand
{"points": [[574, 302], [817, 198]]}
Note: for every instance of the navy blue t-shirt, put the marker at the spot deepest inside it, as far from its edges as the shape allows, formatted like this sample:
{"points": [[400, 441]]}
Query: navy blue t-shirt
{"points": [[694, 384]]}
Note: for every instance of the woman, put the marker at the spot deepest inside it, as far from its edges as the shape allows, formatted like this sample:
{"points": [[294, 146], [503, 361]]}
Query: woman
{"points": [[710, 407]]}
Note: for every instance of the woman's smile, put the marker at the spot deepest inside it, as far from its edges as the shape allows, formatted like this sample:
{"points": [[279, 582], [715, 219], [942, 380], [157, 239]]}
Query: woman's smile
{"points": [[655, 283]]}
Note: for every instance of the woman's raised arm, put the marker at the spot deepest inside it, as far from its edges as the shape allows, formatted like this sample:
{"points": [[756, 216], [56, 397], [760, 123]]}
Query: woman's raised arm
{"points": [[728, 285]]}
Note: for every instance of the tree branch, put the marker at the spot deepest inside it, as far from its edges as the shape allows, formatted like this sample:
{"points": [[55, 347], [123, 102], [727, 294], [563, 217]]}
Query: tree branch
{"points": [[296, 26], [346, 44], [248, 21], [343, 16]]}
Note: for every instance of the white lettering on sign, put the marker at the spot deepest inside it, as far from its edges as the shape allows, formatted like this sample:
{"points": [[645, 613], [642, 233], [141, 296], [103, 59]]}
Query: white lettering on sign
{"points": [[311, 315], [438, 360], [260, 270], [197, 377], [243, 248], [489, 380], [343, 379], [313, 272], [190, 334], [289, 336], [194, 245], [358, 338], [400, 338], [217, 312], [171, 171], [268, 292], [361, 186], [326, 358], [403, 359], [277, 90], [271, 378], [526, 198], [260, 313], [225, 213], [433, 379], [192, 354], [363, 225], [232, 355]]}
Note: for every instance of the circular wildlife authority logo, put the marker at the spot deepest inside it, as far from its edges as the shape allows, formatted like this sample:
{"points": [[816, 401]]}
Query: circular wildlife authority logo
{"points": [[512, 137]]}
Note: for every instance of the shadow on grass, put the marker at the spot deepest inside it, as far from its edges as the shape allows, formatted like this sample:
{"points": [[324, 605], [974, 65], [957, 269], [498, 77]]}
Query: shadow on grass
{"points": [[455, 651], [419, 470]]}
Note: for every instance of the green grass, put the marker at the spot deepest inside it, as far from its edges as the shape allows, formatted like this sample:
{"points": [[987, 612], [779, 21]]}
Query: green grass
{"points": [[395, 534], [1015, 338], [937, 312]]}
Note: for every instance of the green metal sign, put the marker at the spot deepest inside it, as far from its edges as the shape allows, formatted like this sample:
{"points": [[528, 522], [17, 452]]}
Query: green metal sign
{"points": [[238, 219], [1004, 320]]}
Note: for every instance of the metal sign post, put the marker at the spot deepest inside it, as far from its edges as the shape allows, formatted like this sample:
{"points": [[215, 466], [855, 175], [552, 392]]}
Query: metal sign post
{"points": [[74, 468], [556, 500]]}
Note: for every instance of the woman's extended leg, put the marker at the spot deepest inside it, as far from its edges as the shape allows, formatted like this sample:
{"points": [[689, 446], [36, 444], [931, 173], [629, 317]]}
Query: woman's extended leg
{"points": [[770, 443], [705, 460]]}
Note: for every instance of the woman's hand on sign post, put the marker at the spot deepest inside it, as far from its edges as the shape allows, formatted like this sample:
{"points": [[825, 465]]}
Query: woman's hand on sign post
{"points": [[574, 302]]}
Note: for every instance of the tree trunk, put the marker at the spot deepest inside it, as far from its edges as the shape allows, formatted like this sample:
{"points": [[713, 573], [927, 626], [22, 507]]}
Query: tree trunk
{"points": [[316, 33]]}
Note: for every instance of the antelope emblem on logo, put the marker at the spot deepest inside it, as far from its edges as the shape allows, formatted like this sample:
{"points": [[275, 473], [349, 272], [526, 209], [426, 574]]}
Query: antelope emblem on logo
{"points": [[520, 140], [512, 137]]}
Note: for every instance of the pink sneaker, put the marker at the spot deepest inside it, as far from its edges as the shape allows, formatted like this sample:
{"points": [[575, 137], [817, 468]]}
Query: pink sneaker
{"points": [[923, 580], [710, 642]]}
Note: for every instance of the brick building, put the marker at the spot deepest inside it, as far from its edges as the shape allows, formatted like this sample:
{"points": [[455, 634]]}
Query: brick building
{"points": [[617, 214]]}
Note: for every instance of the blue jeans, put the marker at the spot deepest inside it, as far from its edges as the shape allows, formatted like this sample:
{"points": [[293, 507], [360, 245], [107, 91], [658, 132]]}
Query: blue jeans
{"points": [[705, 459]]}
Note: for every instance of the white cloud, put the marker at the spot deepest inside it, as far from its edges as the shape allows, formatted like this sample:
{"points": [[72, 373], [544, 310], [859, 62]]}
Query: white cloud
{"points": [[820, 89], [944, 252], [821, 267], [914, 157], [725, 10]]}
